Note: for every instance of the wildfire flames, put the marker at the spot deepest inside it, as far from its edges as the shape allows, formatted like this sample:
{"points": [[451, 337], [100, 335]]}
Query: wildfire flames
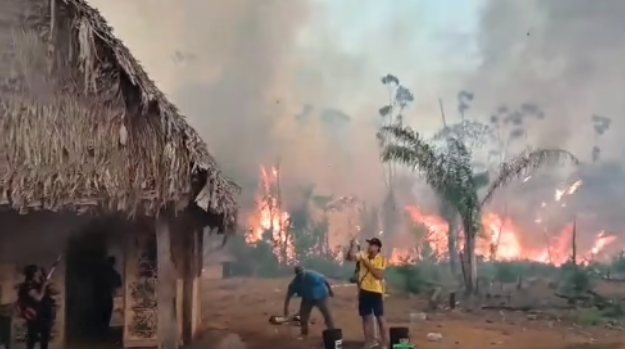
{"points": [[270, 218], [501, 239]]}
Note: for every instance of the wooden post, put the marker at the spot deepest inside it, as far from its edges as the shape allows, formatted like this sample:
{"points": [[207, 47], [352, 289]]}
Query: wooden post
{"points": [[166, 287], [188, 278]]}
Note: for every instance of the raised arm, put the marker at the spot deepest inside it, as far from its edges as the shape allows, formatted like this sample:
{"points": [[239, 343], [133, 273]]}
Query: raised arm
{"points": [[352, 251], [38, 293]]}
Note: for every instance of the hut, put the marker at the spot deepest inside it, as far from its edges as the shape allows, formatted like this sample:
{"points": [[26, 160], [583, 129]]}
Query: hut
{"points": [[218, 265], [89, 146]]}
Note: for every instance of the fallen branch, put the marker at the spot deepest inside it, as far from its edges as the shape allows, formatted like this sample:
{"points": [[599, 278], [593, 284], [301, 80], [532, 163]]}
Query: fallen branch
{"points": [[507, 307], [527, 308]]}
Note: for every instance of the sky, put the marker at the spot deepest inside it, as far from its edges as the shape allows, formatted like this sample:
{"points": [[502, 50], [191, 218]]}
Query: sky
{"points": [[244, 71], [239, 58], [409, 38], [412, 39]]}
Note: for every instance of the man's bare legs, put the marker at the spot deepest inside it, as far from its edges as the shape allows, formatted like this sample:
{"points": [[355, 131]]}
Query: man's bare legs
{"points": [[383, 332], [367, 330]]}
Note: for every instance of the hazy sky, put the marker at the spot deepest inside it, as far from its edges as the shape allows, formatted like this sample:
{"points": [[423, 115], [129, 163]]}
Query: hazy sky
{"points": [[241, 70], [413, 39], [236, 58]]}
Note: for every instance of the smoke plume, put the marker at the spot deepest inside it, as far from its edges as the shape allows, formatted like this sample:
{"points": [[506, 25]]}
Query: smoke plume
{"points": [[564, 56], [296, 83]]}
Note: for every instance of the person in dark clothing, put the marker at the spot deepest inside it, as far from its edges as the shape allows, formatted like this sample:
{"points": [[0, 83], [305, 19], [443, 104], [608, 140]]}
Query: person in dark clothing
{"points": [[314, 289], [36, 306], [107, 282]]}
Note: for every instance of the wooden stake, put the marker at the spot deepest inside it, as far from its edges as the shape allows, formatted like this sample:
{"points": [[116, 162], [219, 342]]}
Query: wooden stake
{"points": [[574, 242], [440, 104]]}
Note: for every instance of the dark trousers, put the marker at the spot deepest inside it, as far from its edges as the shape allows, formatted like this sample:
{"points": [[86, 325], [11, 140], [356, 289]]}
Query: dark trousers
{"points": [[38, 330], [306, 307]]}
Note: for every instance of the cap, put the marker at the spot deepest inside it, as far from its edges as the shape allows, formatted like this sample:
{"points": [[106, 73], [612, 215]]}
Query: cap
{"points": [[374, 241], [298, 269]]}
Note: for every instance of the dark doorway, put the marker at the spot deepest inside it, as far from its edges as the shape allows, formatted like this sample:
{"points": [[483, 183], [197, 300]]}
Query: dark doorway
{"points": [[87, 255]]}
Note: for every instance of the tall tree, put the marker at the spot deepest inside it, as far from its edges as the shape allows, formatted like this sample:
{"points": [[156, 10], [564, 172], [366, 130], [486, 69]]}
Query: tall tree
{"points": [[473, 135], [509, 129], [600, 124], [399, 97], [451, 175], [509, 125]]}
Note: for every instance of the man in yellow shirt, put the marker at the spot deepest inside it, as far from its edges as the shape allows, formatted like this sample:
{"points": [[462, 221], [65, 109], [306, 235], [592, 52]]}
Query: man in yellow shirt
{"points": [[371, 291]]}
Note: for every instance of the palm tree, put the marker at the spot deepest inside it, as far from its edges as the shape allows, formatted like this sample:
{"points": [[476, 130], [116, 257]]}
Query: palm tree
{"points": [[451, 175]]}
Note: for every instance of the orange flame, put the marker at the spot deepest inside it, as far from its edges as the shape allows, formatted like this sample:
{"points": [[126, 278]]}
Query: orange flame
{"points": [[501, 239], [270, 218]]}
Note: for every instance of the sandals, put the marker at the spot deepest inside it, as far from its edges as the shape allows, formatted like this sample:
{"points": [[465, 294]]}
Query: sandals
{"points": [[375, 344], [371, 345]]}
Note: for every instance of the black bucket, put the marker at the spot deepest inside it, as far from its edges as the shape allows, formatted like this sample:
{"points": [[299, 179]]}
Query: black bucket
{"points": [[332, 339], [399, 335]]}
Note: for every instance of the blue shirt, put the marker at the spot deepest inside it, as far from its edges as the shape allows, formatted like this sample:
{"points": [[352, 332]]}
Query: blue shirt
{"points": [[311, 285]]}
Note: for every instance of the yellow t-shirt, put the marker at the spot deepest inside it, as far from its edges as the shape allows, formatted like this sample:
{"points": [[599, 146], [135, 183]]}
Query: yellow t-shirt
{"points": [[368, 282]]}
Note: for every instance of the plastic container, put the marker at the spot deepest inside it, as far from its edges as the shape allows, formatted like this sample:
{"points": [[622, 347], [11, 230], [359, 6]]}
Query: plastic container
{"points": [[332, 339], [399, 335]]}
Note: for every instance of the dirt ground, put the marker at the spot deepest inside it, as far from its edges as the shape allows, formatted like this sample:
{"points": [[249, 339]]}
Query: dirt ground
{"points": [[243, 307]]}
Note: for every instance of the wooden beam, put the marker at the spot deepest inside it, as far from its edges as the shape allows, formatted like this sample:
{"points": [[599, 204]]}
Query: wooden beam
{"points": [[188, 277], [166, 287]]}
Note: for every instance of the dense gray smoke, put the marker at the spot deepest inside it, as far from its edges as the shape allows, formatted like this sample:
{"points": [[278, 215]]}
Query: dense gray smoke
{"points": [[565, 56], [297, 82], [258, 97]]}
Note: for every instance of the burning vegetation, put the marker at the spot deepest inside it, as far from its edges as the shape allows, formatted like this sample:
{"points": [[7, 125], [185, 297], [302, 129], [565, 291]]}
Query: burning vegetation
{"points": [[465, 232]]}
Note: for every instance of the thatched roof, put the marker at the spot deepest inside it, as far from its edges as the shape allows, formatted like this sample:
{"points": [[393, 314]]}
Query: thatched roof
{"points": [[83, 126]]}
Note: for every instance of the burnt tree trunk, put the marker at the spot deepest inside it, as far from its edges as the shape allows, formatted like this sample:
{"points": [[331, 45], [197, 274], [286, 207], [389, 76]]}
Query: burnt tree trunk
{"points": [[166, 287], [450, 214]]}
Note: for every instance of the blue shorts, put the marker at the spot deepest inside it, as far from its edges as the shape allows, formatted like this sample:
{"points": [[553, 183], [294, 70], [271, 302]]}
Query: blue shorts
{"points": [[370, 303]]}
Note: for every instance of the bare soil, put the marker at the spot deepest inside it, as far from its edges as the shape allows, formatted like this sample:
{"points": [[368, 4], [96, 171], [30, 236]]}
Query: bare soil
{"points": [[243, 307]]}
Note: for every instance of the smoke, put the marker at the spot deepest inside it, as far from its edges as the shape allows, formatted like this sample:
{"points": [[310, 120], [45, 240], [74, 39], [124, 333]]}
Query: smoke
{"points": [[296, 83], [566, 57], [268, 83]]}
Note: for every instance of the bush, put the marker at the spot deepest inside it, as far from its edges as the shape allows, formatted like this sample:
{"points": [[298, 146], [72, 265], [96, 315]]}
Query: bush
{"points": [[413, 279], [575, 280], [311, 251]]}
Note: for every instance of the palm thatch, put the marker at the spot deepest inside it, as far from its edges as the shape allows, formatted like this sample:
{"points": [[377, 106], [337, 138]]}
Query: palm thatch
{"points": [[83, 127]]}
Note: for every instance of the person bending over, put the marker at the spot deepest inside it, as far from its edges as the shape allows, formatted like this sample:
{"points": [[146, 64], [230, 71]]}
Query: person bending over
{"points": [[314, 289]]}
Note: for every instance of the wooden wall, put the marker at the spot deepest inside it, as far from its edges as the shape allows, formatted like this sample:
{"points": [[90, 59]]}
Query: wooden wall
{"points": [[140, 314]]}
